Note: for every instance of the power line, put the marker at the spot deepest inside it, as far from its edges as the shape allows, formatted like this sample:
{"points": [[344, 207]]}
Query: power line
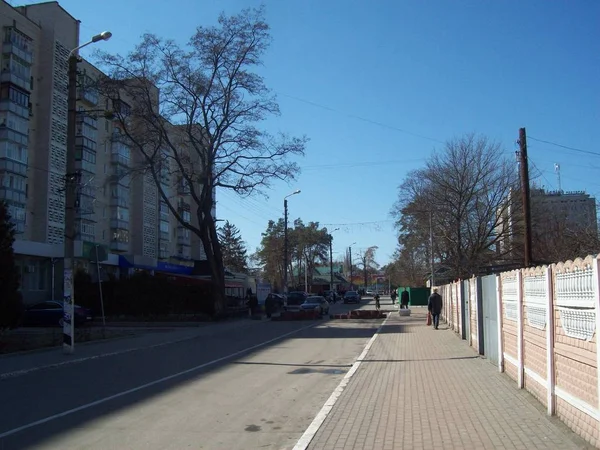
{"points": [[587, 152], [364, 119]]}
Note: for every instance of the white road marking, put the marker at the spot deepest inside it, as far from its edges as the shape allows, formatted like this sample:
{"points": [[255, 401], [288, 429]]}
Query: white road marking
{"points": [[144, 386], [18, 373], [312, 429]]}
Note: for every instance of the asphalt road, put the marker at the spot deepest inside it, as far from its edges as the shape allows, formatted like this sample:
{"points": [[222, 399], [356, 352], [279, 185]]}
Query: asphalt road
{"points": [[246, 387]]}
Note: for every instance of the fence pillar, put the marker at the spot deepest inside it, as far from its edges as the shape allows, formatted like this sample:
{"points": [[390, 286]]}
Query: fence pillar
{"points": [[520, 356], [550, 378], [500, 323]]}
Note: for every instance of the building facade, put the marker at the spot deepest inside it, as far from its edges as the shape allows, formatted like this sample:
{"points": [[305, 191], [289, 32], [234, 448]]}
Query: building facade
{"points": [[121, 219], [559, 219]]}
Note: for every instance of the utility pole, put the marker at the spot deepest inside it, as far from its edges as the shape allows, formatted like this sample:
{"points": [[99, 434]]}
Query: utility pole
{"points": [[72, 183], [526, 198], [351, 284], [331, 260], [431, 247], [285, 242], [331, 263], [285, 247]]}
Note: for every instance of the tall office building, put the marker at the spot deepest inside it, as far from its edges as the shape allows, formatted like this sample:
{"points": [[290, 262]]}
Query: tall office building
{"points": [[119, 214]]}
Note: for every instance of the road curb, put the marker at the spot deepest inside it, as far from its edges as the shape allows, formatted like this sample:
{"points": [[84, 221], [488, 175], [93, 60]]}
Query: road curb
{"points": [[317, 422]]}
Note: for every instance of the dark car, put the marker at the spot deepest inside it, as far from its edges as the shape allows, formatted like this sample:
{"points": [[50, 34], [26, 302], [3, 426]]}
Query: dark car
{"points": [[295, 299], [51, 314], [351, 297], [315, 303]]}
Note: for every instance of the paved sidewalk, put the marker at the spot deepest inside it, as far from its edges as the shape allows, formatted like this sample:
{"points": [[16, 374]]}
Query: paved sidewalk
{"points": [[419, 388], [20, 363]]}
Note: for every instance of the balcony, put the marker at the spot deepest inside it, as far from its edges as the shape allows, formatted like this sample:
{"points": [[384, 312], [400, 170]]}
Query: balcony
{"points": [[7, 134], [119, 224], [184, 253], [84, 117], [120, 160], [10, 77], [10, 165], [88, 95], [12, 195], [82, 142], [184, 240], [10, 48], [86, 166], [118, 246], [122, 202], [8, 105]]}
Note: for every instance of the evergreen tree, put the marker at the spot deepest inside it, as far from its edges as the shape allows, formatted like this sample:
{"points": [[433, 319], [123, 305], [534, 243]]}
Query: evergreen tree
{"points": [[234, 249], [11, 305]]}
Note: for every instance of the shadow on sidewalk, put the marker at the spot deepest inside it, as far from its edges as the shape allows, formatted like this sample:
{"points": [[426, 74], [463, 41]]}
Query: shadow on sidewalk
{"points": [[251, 363], [450, 358]]}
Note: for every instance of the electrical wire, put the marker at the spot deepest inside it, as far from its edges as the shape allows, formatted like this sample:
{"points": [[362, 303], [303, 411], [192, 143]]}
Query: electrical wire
{"points": [[566, 147]]}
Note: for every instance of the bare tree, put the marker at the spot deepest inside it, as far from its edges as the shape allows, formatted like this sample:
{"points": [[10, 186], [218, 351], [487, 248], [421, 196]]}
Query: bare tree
{"points": [[203, 129], [367, 263], [466, 188]]}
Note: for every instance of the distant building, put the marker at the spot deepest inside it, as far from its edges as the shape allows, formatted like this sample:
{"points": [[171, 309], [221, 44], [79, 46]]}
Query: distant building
{"points": [[559, 214]]}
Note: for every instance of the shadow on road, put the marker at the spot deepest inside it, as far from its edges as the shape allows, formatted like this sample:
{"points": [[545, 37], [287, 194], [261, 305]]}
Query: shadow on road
{"points": [[44, 405]]}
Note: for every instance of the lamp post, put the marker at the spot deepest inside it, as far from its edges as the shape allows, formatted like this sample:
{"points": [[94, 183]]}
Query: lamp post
{"points": [[331, 260], [72, 181], [285, 241], [351, 283]]}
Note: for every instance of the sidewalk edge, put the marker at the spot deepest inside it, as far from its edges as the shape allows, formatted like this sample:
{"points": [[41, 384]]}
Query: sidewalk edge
{"points": [[315, 425]]}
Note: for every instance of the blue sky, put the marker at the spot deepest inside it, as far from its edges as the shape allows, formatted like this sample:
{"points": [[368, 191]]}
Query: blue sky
{"points": [[378, 85]]}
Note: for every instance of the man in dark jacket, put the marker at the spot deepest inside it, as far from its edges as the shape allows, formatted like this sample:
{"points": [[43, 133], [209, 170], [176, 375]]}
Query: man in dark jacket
{"points": [[434, 305], [404, 299]]}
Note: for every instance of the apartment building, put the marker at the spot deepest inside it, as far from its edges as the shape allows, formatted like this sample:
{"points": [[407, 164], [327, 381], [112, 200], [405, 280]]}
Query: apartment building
{"points": [[120, 216], [551, 212]]}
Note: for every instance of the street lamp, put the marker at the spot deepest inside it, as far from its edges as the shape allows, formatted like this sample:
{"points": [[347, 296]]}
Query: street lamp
{"points": [[351, 284], [285, 241], [331, 260], [72, 180]]}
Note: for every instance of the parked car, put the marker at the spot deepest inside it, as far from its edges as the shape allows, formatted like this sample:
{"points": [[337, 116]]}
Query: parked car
{"points": [[351, 297], [51, 314], [295, 299], [316, 303]]}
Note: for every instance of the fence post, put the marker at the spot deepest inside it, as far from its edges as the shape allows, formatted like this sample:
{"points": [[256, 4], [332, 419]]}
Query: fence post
{"points": [[500, 323], [550, 381], [480, 318], [596, 281], [520, 356]]}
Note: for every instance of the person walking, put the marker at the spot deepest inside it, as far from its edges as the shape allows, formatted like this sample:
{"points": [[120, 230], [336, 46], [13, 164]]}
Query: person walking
{"points": [[434, 305], [377, 305], [393, 295], [404, 299]]}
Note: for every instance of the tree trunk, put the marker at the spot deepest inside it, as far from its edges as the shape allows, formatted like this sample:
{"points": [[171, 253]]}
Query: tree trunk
{"points": [[214, 256]]}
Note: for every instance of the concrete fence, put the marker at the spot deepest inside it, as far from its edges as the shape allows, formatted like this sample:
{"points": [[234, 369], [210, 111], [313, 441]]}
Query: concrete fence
{"points": [[540, 326]]}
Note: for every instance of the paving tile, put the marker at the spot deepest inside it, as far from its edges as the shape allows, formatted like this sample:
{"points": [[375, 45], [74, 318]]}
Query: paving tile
{"points": [[420, 388]]}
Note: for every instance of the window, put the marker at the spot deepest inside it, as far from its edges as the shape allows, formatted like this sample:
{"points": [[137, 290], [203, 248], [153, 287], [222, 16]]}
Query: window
{"points": [[13, 182], [88, 229], [120, 236], [14, 151], [164, 211], [186, 216], [121, 108], [121, 213], [14, 122], [14, 95], [164, 226]]}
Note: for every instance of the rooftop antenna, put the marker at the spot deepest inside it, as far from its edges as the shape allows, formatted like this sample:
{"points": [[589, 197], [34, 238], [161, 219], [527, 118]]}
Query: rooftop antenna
{"points": [[557, 170]]}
